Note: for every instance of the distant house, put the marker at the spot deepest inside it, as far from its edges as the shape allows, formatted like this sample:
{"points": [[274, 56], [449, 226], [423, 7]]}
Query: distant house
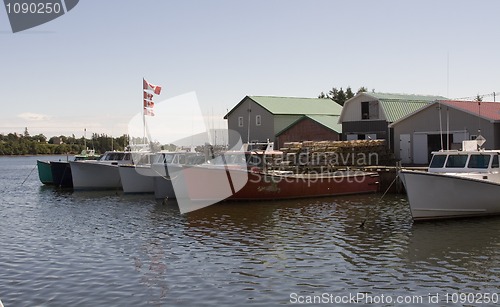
{"points": [[262, 118], [55, 140], [444, 125], [368, 115]]}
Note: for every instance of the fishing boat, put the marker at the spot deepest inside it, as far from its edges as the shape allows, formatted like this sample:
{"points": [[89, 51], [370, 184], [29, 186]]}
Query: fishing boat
{"points": [[102, 173], [162, 183], [244, 175], [136, 178], [61, 170], [458, 183], [44, 172], [204, 184], [139, 177]]}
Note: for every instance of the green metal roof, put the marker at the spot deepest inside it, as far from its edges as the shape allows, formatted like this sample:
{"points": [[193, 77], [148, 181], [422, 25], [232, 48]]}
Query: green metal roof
{"points": [[329, 121], [294, 105], [396, 109], [396, 106], [405, 97]]}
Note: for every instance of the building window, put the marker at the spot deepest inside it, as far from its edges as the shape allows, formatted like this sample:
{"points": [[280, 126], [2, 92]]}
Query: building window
{"points": [[365, 110], [240, 121], [258, 121]]}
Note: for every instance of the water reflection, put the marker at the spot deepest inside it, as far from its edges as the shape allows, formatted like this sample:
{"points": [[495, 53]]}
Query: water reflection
{"points": [[468, 247], [63, 248]]}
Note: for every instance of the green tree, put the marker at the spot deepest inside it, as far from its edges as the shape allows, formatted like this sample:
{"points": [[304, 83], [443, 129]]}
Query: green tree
{"points": [[322, 95], [339, 95], [362, 90], [348, 93]]}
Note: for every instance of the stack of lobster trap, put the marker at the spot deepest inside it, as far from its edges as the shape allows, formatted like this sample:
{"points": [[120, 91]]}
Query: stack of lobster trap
{"points": [[331, 155]]}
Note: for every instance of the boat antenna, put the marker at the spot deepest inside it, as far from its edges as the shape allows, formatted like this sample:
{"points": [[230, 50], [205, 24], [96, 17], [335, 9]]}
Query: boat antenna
{"points": [[447, 128], [479, 118], [440, 126], [143, 111]]}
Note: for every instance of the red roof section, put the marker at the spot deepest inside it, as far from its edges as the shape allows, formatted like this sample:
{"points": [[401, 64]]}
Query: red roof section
{"points": [[485, 109]]}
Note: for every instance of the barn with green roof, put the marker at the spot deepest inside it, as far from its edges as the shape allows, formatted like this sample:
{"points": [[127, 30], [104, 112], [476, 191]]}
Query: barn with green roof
{"points": [[368, 115], [261, 118]]}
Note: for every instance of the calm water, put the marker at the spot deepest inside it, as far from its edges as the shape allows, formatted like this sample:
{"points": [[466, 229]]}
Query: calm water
{"points": [[64, 248]]}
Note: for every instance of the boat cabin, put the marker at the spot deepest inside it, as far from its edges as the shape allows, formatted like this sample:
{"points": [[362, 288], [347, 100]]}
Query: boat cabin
{"points": [[179, 157], [469, 160], [116, 156]]}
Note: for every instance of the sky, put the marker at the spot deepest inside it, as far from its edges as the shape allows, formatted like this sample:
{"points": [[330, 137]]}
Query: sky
{"points": [[84, 69]]}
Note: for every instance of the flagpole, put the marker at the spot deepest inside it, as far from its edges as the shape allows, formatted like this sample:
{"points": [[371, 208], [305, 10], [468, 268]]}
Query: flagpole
{"points": [[143, 115]]}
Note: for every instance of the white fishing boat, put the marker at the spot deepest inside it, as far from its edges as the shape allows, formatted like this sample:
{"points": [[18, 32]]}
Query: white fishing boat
{"points": [[138, 177], [100, 174], [458, 183], [162, 183]]}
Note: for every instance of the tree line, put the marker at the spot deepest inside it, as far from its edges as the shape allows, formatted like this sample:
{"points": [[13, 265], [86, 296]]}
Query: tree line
{"points": [[25, 144], [339, 95]]}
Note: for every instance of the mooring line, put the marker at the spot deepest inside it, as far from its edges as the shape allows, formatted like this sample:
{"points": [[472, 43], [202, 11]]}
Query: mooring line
{"points": [[29, 175]]}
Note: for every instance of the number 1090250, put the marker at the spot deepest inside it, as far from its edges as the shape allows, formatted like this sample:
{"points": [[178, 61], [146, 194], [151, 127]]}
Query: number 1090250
{"points": [[33, 8]]}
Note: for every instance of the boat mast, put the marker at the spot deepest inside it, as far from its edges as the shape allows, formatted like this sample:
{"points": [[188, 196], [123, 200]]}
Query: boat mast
{"points": [[143, 115]]}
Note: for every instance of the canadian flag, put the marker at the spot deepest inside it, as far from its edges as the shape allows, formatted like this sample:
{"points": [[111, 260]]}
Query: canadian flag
{"points": [[148, 86], [148, 103], [148, 96], [149, 112]]}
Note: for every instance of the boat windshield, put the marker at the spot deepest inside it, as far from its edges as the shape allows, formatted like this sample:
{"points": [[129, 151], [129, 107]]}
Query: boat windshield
{"points": [[479, 161], [168, 158], [495, 163], [437, 161], [195, 159], [114, 156], [456, 161]]}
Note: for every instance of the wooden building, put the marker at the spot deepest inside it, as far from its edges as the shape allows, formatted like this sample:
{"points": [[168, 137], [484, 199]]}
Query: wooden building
{"points": [[311, 128], [368, 115], [262, 118]]}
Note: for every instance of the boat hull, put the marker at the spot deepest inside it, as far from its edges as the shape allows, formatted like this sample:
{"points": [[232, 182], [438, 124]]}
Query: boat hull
{"points": [[162, 184], [90, 175], [44, 172], [61, 174], [269, 187], [440, 196], [136, 179], [204, 183]]}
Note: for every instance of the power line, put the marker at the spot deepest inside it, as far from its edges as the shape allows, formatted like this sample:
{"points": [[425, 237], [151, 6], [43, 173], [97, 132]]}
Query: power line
{"points": [[494, 94]]}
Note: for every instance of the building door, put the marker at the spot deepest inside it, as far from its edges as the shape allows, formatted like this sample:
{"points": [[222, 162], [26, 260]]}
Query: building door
{"points": [[420, 148], [404, 148]]}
